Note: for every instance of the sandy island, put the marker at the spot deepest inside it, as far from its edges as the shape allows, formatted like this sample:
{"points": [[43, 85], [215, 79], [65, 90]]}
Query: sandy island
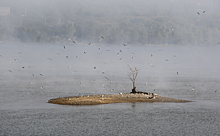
{"points": [[112, 98]]}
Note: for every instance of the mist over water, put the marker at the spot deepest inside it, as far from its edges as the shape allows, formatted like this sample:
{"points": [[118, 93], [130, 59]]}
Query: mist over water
{"points": [[32, 74], [45, 54]]}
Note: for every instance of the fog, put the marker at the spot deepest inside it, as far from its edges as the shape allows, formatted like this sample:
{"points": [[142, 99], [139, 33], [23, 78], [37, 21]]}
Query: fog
{"points": [[62, 48], [86, 46], [176, 22], [97, 69]]}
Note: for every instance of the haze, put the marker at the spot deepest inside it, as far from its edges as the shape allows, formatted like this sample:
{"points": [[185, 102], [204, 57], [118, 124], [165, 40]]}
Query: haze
{"points": [[177, 22]]}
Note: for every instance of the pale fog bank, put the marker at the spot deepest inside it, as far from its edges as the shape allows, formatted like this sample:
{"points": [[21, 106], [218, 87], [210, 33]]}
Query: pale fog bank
{"points": [[66, 70]]}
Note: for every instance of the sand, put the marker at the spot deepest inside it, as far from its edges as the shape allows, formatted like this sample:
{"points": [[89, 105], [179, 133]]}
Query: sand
{"points": [[111, 98]]}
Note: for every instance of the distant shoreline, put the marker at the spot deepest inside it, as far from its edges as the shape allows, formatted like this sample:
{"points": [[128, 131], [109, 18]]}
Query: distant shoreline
{"points": [[112, 98]]}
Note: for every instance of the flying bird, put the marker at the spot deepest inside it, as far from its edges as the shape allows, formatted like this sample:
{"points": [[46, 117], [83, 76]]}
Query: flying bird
{"points": [[90, 43], [64, 47], [106, 78], [198, 13], [74, 41], [102, 37], [203, 12]]}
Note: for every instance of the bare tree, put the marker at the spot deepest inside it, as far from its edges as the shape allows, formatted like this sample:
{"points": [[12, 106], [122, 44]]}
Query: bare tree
{"points": [[133, 76]]}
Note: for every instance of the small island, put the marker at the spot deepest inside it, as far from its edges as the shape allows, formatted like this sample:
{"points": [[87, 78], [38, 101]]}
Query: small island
{"points": [[113, 98], [133, 96]]}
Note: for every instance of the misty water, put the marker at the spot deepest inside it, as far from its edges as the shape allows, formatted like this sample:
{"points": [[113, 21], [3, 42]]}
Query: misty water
{"points": [[32, 74]]}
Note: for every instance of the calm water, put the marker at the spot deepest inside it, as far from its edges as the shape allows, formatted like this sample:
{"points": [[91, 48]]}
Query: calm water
{"points": [[30, 75]]}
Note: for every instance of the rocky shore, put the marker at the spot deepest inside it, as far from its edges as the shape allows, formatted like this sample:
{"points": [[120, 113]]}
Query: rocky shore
{"points": [[113, 98]]}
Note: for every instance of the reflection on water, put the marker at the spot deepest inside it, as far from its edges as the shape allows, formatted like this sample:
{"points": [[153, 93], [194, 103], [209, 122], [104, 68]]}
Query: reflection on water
{"points": [[42, 72]]}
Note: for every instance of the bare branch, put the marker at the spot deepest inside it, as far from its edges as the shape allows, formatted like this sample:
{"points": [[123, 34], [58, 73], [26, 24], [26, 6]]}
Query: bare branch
{"points": [[133, 76]]}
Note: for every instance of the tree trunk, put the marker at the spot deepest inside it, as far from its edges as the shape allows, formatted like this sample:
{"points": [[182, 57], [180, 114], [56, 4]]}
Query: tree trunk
{"points": [[134, 88]]}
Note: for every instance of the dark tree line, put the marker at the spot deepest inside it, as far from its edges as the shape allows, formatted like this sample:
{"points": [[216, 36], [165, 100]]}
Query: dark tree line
{"points": [[151, 22]]}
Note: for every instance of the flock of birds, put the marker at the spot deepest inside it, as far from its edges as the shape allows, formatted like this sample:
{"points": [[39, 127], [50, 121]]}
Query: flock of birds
{"points": [[95, 67], [199, 12]]}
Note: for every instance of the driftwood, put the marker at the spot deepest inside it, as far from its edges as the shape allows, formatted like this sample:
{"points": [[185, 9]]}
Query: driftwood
{"points": [[152, 95]]}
